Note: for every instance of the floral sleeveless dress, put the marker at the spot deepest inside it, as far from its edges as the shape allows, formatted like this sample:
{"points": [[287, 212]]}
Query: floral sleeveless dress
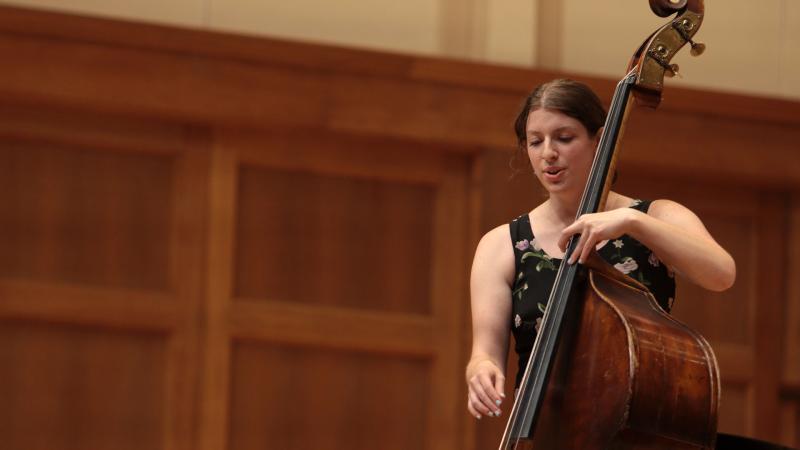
{"points": [[536, 272]]}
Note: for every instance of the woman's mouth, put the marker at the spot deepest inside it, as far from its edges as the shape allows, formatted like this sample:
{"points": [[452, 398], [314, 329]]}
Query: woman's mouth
{"points": [[553, 173]]}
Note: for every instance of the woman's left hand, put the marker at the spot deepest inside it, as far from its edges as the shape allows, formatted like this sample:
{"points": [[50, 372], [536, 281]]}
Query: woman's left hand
{"points": [[595, 228]]}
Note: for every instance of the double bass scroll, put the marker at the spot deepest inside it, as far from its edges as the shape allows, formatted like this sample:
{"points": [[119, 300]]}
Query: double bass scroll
{"points": [[652, 61]]}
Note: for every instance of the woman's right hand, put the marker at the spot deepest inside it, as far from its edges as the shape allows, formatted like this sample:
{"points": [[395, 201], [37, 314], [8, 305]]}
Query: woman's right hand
{"points": [[485, 384]]}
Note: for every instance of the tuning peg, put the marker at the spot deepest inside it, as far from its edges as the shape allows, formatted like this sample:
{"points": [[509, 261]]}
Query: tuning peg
{"points": [[697, 48], [683, 28], [672, 71]]}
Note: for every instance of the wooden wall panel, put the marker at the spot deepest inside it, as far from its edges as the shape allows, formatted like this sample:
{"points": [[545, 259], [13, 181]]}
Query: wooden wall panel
{"points": [[297, 398], [70, 387], [790, 421], [102, 226], [736, 404], [82, 216], [792, 322], [790, 424], [274, 211], [333, 240], [769, 304]]}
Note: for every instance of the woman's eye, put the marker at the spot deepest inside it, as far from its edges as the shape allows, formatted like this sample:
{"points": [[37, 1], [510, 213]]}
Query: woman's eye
{"points": [[565, 138], [534, 143]]}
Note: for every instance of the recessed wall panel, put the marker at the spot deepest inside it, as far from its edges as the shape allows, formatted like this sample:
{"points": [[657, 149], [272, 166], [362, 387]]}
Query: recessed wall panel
{"points": [[84, 216], [297, 398], [735, 407], [333, 240], [70, 388]]}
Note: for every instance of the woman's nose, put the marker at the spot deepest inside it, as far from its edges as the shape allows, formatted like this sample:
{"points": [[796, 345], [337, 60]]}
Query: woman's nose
{"points": [[550, 152]]}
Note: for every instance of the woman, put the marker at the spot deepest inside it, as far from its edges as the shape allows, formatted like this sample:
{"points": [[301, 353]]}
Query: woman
{"points": [[515, 264]]}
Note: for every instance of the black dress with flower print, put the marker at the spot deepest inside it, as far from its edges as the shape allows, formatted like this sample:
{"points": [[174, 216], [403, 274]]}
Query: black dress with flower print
{"points": [[536, 273]]}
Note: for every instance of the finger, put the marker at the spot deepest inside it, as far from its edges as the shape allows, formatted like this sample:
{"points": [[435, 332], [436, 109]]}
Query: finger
{"points": [[472, 410], [588, 246], [492, 394], [576, 251], [478, 405], [475, 391], [567, 233], [563, 239], [486, 401], [490, 387], [499, 384]]}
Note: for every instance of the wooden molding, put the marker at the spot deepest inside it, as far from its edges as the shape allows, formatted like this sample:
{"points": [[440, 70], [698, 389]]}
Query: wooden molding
{"points": [[54, 27]]}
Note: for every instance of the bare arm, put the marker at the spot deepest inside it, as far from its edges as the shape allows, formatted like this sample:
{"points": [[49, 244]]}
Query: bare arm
{"points": [[679, 239], [673, 232], [490, 288]]}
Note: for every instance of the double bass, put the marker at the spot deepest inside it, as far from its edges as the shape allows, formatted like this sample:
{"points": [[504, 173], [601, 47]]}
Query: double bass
{"points": [[609, 368]]}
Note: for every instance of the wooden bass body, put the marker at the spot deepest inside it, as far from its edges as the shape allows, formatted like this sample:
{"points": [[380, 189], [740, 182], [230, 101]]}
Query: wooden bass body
{"points": [[627, 375]]}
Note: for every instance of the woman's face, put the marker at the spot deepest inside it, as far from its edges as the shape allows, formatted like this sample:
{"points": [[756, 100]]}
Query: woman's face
{"points": [[560, 150]]}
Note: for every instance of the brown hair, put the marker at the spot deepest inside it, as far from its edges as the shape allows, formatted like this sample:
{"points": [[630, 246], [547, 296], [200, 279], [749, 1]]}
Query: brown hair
{"points": [[568, 97]]}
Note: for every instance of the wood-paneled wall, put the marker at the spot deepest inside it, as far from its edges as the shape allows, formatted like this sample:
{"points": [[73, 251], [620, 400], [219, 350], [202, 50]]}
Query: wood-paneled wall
{"points": [[211, 241]]}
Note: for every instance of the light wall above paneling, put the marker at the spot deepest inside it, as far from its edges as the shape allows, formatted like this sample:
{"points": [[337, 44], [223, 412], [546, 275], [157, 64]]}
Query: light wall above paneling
{"points": [[748, 43], [189, 13], [751, 45], [789, 54], [408, 26], [598, 38], [510, 34]]}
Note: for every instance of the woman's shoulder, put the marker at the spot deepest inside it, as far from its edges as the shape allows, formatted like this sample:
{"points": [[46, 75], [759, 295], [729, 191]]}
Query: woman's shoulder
{"points": [[495, 255], [499, 236]]}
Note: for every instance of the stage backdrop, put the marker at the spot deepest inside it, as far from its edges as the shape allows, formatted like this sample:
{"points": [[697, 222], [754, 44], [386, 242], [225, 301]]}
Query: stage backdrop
{"points": [[218, 242]]}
